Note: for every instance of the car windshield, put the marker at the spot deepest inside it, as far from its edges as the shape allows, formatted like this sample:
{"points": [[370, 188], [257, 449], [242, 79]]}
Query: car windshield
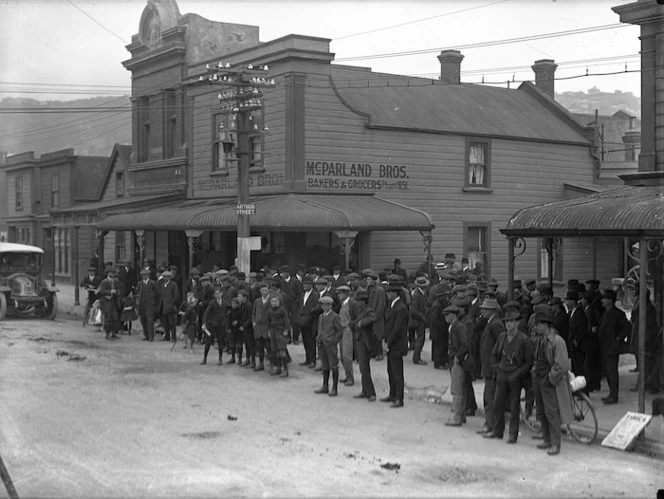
{"points": [[10, 262]]}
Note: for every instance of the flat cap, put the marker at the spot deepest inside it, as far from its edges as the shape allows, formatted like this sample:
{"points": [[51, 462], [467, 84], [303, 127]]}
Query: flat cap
{"points": [[326, 299]]}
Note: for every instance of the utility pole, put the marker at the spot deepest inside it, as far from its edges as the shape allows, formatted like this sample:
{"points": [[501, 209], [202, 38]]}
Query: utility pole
{"points": [[241, 95]]}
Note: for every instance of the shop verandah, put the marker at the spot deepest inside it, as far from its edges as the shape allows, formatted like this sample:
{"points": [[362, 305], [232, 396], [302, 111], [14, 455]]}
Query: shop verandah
{"points": [[321, 230], [634, 213]]}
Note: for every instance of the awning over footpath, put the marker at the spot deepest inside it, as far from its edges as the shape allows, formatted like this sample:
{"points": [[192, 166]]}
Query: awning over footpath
{"points": [[285, 212], [629, 211]]}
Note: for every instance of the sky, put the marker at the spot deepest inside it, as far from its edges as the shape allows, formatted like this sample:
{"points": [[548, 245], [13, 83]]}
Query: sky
{"points": [[66, 49]]}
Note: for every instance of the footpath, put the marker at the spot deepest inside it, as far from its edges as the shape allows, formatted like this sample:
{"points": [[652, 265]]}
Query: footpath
{"points": [[431, 385]]}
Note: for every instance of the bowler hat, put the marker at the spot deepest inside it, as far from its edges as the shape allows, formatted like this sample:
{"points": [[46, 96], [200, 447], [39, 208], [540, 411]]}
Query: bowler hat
{"points": [[450, 255], [326, 299], [452, 309], [593, 281], [572, 295], [610, 294], [361, 295]]}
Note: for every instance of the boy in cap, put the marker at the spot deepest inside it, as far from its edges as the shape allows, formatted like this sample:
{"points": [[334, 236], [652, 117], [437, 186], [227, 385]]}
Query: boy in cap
{"points": [[328, 336]]}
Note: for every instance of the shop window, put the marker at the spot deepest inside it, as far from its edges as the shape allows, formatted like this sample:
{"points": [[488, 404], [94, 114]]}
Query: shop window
{"points": [[18, 192], [55, 191], [119, 184], [477, 164], [476, 247], [553, 247], [120, 246], [62, 246]]}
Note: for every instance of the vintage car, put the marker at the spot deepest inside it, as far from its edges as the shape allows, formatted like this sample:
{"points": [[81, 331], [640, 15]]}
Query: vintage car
{"points": [[23, 290]]}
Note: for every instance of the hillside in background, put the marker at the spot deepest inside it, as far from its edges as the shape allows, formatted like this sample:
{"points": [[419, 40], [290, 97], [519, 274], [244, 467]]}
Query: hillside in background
{"points": [[606, 103], [46, 126]]}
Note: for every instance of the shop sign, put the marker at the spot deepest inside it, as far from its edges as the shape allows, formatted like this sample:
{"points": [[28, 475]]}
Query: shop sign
{"points": [[341, 175], [245, 209]]}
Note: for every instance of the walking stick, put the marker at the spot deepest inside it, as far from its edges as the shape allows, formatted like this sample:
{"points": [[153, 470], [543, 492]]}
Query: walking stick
{"points": [[176, 339]]}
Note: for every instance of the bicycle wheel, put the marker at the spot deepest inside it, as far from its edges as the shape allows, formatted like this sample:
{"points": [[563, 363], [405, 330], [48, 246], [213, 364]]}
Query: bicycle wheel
{"points": [[530, 420], [584, 427]]}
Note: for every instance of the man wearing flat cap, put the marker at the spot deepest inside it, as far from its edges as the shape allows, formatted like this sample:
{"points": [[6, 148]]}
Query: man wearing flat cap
{"points": [[396, 340], [492, 330], [328, 336], [552, 392], [513, 357], [614, 328], [458, 353], [147, 300], [346, 311]]}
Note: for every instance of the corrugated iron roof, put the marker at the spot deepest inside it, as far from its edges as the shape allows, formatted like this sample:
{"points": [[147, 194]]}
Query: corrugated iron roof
{"points": [[464, 109], [630, 211], [284, 212]]}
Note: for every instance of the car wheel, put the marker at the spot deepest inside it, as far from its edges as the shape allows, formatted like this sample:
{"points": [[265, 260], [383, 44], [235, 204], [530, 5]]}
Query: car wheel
{"points": [[53, 311]]}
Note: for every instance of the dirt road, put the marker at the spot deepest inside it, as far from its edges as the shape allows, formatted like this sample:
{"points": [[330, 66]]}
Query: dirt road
{"points": [[85, 417]]}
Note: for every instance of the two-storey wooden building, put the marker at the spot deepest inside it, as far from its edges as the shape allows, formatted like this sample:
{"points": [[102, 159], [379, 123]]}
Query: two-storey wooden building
{"points": [[373, 164], [35, 187]]}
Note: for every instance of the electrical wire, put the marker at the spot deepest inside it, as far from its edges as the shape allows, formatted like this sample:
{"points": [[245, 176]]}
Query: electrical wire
{"points": [[492, 43], [98, 23], [418, 20]]}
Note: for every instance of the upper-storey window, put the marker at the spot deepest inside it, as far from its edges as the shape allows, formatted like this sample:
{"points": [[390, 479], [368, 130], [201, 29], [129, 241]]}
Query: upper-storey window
{"points": [[55, 191], [477, 164], [18, 192]]}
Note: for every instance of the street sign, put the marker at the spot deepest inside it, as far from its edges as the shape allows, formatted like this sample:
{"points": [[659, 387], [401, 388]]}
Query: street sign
{"points": [[245, 209], [627, 429]]}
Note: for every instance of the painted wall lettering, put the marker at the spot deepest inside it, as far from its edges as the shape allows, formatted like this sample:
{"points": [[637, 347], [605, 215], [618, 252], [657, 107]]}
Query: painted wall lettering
{"points": [[355, 176], [261, 180]]}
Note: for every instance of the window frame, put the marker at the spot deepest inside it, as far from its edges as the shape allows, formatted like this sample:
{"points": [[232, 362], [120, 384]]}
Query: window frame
{"points": [[486, 185], [487, 243], [119, 184], [558, 260], [55, 191], [18, 192]]}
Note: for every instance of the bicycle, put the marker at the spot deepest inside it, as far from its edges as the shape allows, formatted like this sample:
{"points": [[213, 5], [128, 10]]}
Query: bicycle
{"points": [[584, 426]]}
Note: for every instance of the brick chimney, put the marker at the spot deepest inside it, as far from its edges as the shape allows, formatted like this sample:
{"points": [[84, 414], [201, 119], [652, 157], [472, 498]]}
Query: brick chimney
{"points": [[545, 70], [450, 66]]}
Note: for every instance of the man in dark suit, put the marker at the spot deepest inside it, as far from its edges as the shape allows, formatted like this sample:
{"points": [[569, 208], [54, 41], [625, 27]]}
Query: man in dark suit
{"points": [[307, 321], [127, 276], [458, 353], [291, 288], [494, 327], [614, 328], [147, 299], [578, 330], [396, 340], [214, 325], [169, 301], [418, 317]]}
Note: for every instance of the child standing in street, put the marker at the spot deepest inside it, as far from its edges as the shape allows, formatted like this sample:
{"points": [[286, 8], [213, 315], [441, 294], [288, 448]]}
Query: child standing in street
{"points": [[190, 322], [235, 335], [279, 328]]}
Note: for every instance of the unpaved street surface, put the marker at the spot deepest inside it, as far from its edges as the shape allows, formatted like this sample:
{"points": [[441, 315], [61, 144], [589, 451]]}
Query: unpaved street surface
{"points": [[81, 416]]}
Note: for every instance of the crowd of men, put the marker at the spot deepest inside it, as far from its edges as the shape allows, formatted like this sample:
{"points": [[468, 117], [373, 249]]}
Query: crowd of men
{"points": [[530, 342]]}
